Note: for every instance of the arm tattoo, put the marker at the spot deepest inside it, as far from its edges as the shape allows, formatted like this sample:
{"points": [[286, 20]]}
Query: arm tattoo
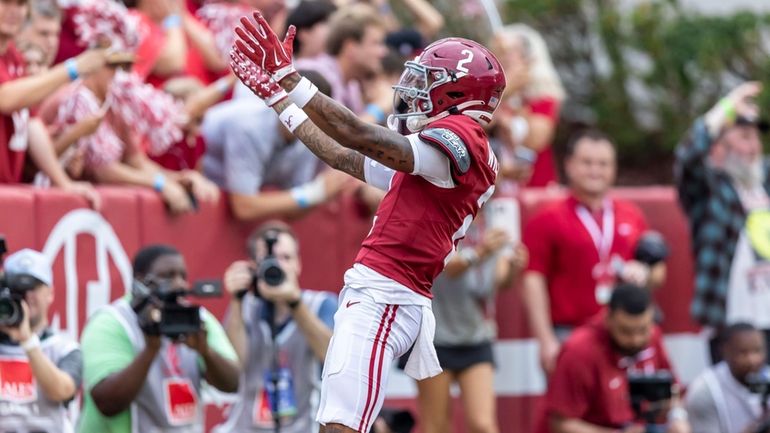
{"points": [[381, 144], [325, 148]]}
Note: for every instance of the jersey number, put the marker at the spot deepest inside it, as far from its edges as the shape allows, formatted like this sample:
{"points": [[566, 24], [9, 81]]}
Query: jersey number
{"points": [[460, 233], [461, 63]]}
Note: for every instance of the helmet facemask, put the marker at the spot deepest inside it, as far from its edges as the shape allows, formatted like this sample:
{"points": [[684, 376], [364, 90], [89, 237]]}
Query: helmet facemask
{"points": [[413, 91]]}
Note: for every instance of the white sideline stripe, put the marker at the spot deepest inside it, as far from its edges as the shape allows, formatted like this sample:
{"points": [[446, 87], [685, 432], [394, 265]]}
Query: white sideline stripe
{"points": [[518, 370]]}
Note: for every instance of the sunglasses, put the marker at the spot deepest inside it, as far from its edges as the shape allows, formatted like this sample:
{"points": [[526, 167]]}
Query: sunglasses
{"points": [[125, 66]]}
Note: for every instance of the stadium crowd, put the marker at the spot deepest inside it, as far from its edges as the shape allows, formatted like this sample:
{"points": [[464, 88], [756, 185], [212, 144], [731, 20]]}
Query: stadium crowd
{"points": [[140, 93]]}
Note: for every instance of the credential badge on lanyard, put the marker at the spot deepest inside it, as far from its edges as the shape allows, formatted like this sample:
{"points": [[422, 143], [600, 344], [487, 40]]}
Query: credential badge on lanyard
{"points": [[602, 239]]}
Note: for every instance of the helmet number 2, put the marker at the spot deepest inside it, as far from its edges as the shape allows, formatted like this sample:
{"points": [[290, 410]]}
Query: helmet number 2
{"points": [[462, 62]]}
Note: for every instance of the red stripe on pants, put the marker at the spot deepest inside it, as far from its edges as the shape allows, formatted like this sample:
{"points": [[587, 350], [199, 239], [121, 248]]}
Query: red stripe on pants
{"points": [[371, 365], [379, 369]]}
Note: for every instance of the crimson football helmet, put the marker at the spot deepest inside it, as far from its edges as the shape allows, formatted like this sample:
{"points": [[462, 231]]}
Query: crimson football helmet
{"points": [[451, 76]]}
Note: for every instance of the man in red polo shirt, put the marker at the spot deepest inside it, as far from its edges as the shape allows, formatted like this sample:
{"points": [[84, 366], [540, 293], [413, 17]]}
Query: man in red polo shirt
{"points": [[588, 391], [580, 246]]}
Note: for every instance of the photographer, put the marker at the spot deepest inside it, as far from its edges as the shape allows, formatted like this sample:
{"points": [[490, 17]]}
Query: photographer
{"points": [[728, 397], [137, 376], [40, 370], [299, 321], [589, 389]]}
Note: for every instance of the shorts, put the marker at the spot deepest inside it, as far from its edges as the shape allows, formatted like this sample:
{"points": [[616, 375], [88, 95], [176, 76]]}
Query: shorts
{"points": [[458, 358], [367, 338]]}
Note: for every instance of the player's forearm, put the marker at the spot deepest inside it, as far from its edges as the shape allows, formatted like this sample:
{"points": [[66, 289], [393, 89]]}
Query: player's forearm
{"points": [[381, 144], [325, 148], [56, 385], [538, 306], [316, 332]]}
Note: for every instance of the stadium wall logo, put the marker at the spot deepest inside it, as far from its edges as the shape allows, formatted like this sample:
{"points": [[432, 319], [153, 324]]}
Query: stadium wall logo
{"points": [[63, 239]]}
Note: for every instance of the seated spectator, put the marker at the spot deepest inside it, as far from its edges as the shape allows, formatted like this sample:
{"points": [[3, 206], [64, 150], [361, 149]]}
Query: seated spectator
{"points": [[355, 47], [532, 100], [720, 400], [94, 135], [248, 148], [21, 134], [580, 246], [136, 380], [41, 369], [589, 390], [186, 153], [173, 43], [303, 321]]}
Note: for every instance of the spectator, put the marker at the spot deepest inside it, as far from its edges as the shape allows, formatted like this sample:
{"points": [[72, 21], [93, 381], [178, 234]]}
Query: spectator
{"points": [[197, 99], [580, 245], [303, 321], [720, 399], [137, 380], [589, 389], [249, 148], [311, 18], [463, 297], [355, 48], [723, 186], [533, 98], [173, 43], [19, 133], [42, 28], [43, 366]]}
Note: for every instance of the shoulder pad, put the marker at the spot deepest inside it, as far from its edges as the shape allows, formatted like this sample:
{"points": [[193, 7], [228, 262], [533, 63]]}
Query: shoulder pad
{"points": [[451, 145]]}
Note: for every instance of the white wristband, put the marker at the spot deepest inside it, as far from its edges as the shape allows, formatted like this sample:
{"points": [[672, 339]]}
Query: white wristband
{"points": [[292, 117], [303, 92], [32, 342], [309, 194]]}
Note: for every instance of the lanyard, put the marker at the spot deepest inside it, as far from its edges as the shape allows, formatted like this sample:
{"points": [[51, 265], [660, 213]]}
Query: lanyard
{"points": [[602, 237], [171, 361]]}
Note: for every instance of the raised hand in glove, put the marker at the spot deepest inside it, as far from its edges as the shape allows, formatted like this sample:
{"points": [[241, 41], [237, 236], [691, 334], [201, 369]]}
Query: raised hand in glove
{"points": [[261, 45], [255, 78]]}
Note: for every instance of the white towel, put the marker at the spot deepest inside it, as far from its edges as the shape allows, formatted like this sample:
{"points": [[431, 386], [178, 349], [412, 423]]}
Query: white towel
{"points": [[423, 361]]}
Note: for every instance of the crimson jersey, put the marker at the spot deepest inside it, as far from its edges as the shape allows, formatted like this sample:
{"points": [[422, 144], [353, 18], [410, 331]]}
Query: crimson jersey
{"points": [[13, 128], [418, 224]]}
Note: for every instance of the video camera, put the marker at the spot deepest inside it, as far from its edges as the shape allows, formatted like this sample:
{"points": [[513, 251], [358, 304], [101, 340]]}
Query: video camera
{"points": [[176, 318], [12, 291], [649, 392]]}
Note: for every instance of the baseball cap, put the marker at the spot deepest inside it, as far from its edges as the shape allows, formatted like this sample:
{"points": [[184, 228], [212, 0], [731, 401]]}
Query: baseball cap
{"points": [[29, 262], [761, 124]]}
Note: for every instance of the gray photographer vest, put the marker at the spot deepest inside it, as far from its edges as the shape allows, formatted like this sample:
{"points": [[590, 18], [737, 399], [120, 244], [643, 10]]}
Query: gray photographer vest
{"points": [[251, 413], [170, 400], [24, 407]]}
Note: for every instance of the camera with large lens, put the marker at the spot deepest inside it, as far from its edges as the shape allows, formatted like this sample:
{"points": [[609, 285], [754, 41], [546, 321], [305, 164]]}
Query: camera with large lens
{"points": [[269, 270], [13, 288], [649, 392], [176, 318]]}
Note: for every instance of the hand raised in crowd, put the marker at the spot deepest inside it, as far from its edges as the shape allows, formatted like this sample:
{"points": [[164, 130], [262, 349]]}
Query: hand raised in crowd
{"points": [[238, 277], [636, 273], [175, 196], [91, 61], [739, 102], [260, 44], [21, 333], [89, 125], [520, 258]]}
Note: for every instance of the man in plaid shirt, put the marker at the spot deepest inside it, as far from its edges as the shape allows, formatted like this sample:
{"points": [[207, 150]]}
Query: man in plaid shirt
{"points": [[723, 187]]}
